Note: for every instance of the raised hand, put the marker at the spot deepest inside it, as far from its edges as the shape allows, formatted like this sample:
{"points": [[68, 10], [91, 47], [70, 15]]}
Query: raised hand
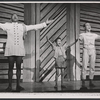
{"points": [[49, 21], [47, 38]]}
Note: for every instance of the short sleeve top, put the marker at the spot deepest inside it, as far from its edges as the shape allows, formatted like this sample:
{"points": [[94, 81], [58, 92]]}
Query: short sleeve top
{"points": [[60, 51]]}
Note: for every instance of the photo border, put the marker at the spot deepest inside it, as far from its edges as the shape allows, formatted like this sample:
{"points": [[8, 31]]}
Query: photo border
{"points": [[46, 96]]}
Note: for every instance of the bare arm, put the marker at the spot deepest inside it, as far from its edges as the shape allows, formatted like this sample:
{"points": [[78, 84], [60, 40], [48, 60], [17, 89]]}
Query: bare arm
{"points": [[98, 37], [68, 46], [73, 43], [35, 27], [38, 26], [3, 26]]}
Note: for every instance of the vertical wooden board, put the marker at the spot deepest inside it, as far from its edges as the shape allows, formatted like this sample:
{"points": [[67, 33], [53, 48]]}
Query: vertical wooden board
{"points": [[29, 74], [37, 44], [77, 48]]}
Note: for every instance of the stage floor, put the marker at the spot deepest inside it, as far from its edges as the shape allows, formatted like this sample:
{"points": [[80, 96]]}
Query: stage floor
{"points": [[47, 87]]}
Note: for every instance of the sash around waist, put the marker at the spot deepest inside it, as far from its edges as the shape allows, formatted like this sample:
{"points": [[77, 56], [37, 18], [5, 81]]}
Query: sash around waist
{"points": [[89, 46]]}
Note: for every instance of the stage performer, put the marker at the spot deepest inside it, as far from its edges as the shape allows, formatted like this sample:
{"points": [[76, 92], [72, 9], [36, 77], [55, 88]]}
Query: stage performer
{"points": [[14, 49], [60, 58], [89, 54]]}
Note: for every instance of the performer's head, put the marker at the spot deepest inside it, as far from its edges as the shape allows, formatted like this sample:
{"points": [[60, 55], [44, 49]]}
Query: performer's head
{"points": [[88, 27], [14, 18], [58, 41]]}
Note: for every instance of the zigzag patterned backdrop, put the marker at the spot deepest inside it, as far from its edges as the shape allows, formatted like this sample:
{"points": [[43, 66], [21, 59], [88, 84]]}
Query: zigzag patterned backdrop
{"points": [[58, 28]]}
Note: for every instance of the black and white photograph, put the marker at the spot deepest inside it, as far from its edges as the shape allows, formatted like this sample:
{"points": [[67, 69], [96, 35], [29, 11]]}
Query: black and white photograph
{"points": [[49, 47]]}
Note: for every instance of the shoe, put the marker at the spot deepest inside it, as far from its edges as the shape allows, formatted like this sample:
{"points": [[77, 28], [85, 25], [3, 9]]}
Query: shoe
{"points": [[62, 86], [91, 85], [19, 88], [8, 89], [55, 86], [83, 88]]}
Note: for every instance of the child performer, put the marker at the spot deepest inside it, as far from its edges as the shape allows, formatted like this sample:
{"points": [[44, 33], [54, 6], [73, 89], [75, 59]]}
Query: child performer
{"points": [[60, 57]]}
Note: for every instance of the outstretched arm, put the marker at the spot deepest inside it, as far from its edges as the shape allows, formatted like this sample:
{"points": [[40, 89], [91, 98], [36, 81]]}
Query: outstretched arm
{"points": [[3, 26], [50, 42], [98, 37], [73, 43], [38, 26]]}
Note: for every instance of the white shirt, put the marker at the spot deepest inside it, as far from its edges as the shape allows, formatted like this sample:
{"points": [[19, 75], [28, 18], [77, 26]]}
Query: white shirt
{"points": [[60, 51], [88, 40], [15, 32]]}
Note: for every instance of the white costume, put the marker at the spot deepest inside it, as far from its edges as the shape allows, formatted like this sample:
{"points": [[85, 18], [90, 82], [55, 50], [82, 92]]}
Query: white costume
{"points": [[88, 51], [15, 32]]}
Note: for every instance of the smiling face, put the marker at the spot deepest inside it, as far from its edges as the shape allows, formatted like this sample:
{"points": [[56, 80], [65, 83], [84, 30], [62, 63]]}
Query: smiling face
{"points": [[58, 42], [88, 26], [14, 18]]}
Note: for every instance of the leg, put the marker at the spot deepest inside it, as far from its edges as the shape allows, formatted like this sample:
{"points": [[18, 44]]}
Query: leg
{"points": [[85, 63], [62, 77], [18, 72], [10, 72], [56, 77], [92, 67]]}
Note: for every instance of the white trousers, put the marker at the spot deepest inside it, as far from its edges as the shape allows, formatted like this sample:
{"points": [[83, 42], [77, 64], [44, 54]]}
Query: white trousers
{"points": [[89, 55]]}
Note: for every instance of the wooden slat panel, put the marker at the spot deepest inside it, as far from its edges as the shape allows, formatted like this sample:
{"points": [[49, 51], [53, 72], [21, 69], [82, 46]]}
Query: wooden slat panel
{"points": [[97, 60], [90, 14], [48, 8], [5, 72], [92, 5], [8, 16], [47, 66], [4, 66], [6, 77], [12, 7], [63, 13], [48, 72], [47, 78], [18, 5], [43, 5], [11, 11], [90, 9], [3, 40], [54, 12], [90, 17], [94, 25]]}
